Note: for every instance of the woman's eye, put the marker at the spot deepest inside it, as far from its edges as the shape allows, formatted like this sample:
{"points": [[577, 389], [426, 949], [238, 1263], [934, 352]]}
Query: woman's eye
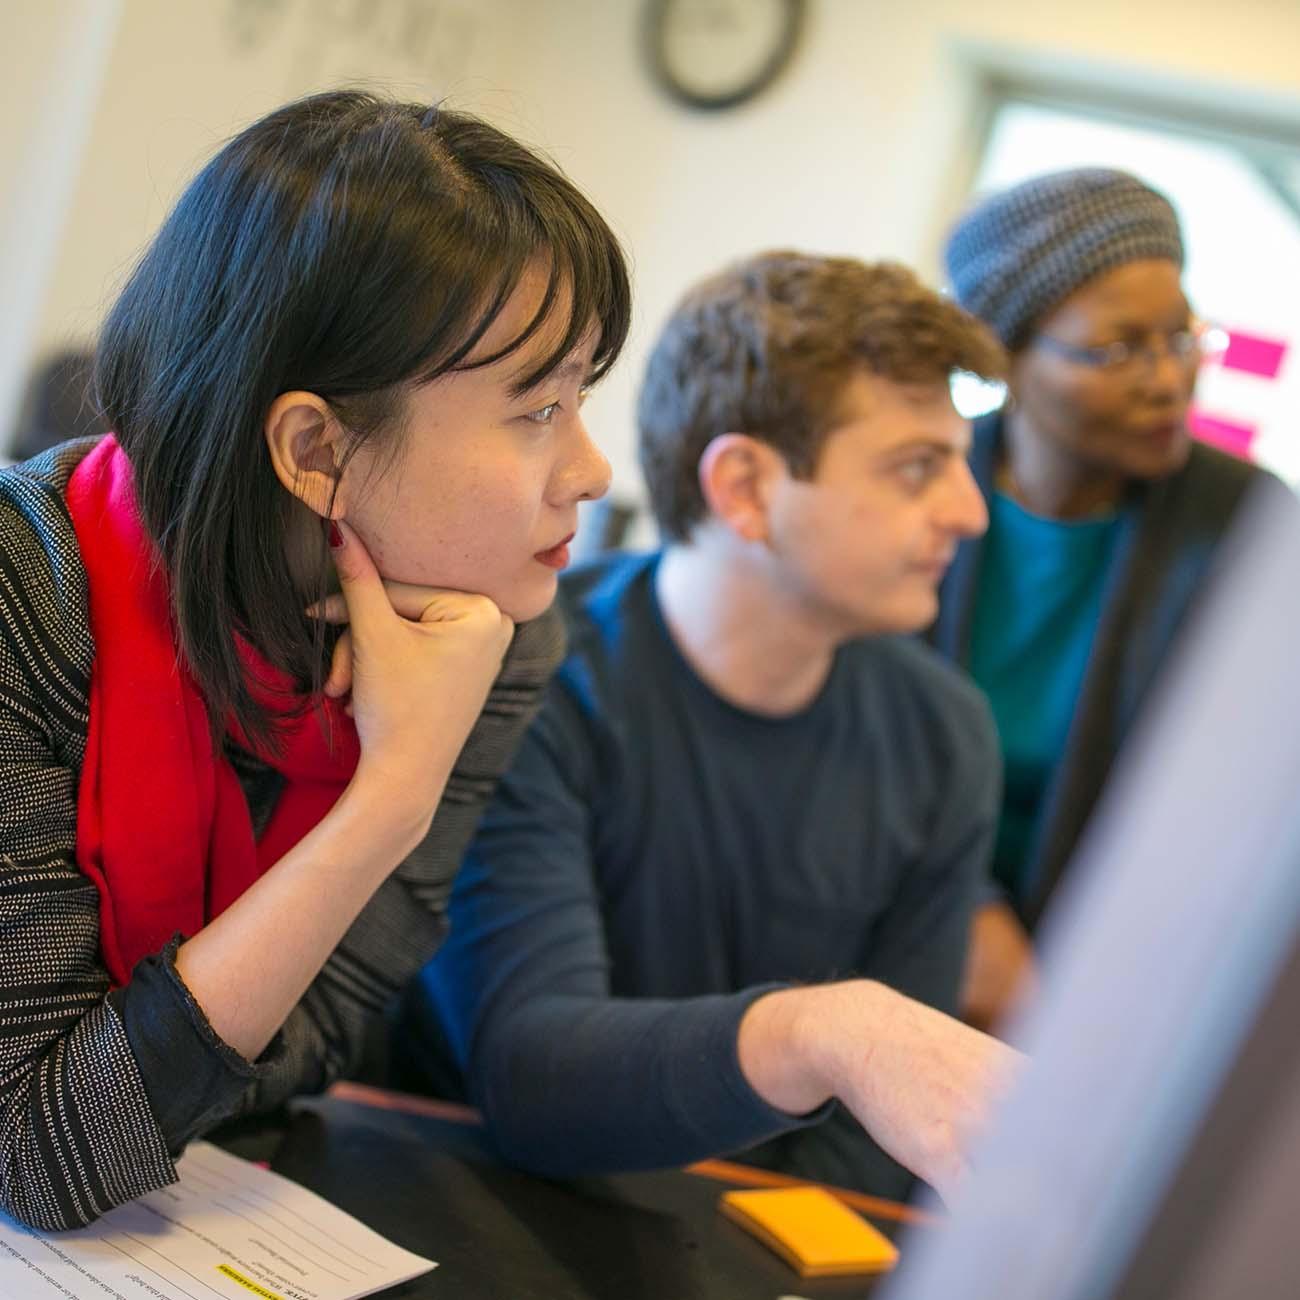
{"points": [[544, 414]]}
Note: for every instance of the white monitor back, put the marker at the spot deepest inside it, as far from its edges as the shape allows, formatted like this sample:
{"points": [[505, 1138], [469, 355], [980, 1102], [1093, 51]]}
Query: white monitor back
{"points": [[1168, 979]]}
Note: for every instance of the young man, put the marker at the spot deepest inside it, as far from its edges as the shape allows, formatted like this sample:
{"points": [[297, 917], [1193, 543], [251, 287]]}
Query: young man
{"points": [[738, 852]]}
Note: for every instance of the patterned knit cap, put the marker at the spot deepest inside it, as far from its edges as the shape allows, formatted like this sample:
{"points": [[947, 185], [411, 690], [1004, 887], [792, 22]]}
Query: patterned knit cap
{"points": [[1017, 254]]}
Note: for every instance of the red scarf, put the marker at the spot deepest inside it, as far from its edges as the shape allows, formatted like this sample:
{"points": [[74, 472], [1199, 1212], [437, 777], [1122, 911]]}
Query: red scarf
{"points": [[162, 823]]}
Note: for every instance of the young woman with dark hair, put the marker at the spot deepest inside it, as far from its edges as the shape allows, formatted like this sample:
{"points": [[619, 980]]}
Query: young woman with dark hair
{"points": [[344, 384]]}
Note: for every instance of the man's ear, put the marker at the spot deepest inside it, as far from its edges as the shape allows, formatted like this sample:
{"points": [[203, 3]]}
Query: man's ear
{"points": [[307, 448], [736, 475]]}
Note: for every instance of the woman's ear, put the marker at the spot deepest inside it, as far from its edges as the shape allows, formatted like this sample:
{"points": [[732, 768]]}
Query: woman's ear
{"points": [[736, 475], [307, 448]]}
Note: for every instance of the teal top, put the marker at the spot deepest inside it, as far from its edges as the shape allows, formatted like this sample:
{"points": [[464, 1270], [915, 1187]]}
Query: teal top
{"points": [[1041, 584]]}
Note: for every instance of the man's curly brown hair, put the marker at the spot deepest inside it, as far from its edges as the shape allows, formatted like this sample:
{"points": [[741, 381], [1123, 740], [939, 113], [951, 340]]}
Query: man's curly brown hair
{"points": [[766, 348]]}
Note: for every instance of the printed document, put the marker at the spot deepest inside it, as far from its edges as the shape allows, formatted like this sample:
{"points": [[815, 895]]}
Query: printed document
{"points": [[229, 1230]]}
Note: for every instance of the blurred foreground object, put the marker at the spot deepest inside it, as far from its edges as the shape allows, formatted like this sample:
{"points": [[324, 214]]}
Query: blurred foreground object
{"points": [[1152, 1147]]}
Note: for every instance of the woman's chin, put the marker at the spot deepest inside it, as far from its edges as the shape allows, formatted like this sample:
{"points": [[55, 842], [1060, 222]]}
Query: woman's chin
{"points": [[1162, 456], [525, 605]]}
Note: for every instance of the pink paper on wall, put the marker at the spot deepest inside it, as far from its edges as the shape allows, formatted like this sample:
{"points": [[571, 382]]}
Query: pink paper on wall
{"points": [[1254, 355], [1228, 435]]}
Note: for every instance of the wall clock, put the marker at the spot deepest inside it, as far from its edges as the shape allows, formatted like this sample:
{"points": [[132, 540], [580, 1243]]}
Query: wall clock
{"points": [[714, 54]]}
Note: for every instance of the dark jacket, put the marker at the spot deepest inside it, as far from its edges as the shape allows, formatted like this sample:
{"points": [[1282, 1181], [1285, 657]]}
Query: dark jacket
{"points": [[1170, 531], [99, 1089]]}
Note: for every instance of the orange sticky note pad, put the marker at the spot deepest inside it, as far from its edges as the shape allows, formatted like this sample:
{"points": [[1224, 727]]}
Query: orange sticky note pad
{"points": [[811, 1230]]}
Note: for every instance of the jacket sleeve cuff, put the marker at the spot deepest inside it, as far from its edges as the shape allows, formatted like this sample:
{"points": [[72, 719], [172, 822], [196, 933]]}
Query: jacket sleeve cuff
{"points": [[192, 1077]]}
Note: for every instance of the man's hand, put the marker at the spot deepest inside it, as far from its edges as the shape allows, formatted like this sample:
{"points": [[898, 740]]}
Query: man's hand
{"points": [[921, 1083]]}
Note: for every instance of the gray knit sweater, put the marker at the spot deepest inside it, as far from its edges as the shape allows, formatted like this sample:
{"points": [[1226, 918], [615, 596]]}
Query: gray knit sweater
{"points": [[99, 1090]]}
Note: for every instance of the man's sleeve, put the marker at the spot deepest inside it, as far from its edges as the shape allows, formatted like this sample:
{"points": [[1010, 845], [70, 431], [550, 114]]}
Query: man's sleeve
{"points": [[919, 944], [571, 1079]]}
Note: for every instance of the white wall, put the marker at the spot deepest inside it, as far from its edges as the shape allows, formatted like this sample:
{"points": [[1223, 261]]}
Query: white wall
{"points": [[58, 50], [186, 74], [864, 146]]}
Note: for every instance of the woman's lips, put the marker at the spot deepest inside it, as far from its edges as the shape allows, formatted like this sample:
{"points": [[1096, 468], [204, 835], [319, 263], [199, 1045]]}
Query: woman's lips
{"points": [[557, 557], [1165, 430]]}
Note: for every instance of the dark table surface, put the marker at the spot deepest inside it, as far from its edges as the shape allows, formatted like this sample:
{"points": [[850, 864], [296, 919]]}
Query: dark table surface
{"points": [[432, 1186]]}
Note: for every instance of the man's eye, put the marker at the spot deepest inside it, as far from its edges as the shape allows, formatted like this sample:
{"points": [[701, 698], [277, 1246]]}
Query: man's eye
{"points": [[916, 473], [544, 414]]}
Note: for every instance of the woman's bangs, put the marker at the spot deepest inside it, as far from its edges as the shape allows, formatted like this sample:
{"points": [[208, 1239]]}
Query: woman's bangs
{"points": [[585, 259], [585, 265]]}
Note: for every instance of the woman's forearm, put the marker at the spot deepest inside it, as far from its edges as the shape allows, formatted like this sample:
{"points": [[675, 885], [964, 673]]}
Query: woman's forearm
{"points": [[249, 966]]}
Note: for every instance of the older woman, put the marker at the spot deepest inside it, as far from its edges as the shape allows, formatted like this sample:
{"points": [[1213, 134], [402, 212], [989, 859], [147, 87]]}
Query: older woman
{"points": [[1104, 515]]}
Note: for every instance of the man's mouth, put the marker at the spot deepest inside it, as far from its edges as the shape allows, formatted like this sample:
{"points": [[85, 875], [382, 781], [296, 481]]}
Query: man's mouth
{"points": [[939, 565]]}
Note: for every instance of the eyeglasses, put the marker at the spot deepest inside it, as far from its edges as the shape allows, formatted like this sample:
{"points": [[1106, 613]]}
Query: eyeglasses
{"points": [[1185, 345]]}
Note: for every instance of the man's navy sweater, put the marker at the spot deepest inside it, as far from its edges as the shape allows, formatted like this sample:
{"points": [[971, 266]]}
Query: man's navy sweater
{"points": [[657, 858]]}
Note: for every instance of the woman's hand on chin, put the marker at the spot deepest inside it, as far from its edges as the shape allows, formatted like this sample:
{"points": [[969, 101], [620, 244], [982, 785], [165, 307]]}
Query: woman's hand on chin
{"points": [[419, 662]]}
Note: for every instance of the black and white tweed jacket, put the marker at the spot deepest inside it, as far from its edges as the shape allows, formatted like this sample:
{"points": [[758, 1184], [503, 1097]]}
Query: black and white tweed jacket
{"points": [[98, 1089]]}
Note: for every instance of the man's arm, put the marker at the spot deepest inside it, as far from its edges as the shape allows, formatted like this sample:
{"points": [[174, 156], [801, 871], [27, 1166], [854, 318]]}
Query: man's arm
{"points": [[921, 1083], [574, 1080]]}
